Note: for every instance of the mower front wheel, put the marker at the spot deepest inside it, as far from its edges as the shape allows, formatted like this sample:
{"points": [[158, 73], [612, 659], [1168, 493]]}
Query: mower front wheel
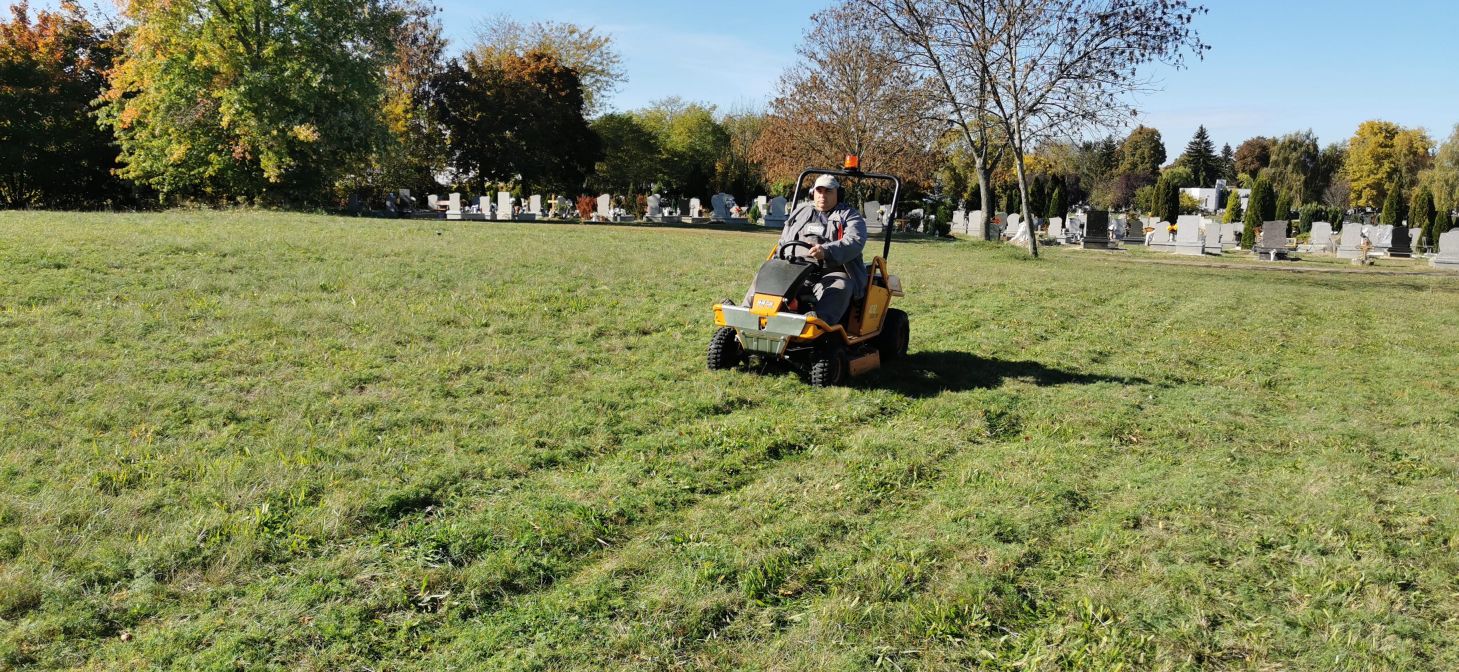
{"points": [[829, 368], [724, 350]]}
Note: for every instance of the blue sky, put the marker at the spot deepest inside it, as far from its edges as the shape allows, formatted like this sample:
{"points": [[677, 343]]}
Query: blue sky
{"points": [[1275, 66]]}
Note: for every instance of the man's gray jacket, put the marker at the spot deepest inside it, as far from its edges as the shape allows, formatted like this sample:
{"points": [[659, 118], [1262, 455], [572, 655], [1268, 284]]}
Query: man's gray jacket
{"points": [[845, 237]]}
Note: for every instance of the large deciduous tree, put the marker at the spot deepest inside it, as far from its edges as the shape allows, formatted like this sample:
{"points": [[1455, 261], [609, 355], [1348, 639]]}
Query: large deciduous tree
{"points": [[1295, 168], [631, 155], [692, 140], [52, 153], [515, 119], [850, 94], [1253, 156], [1142, 154], [250, 98], [1383, 155], [587, 52], [1443, 178], [413, 154]]}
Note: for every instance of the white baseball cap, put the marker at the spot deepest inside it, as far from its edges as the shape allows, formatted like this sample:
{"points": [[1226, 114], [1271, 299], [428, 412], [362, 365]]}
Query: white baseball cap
{"points": [[828, 181]]}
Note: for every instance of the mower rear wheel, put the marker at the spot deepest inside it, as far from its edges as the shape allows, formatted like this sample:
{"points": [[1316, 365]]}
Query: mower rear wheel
{"points": [[724, 349], [829, 368], [895, 335]]}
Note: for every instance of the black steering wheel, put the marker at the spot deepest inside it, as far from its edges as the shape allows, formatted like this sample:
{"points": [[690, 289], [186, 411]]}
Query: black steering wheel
{"points": [[791, 245]]}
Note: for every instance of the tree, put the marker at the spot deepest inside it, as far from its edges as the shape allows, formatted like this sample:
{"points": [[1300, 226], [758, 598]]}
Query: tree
{"points": [[1228, 164], [1253, 156], [631, 155], [693, 143], [1442, 223], [1421, 210], [1142, 153], [590, 55], [516, 119], [1058, 207], [1201, 160], [1233, 208], [1260, 208], [1283, 208], [1166, 200], [737, 172], [1294, 168], [861, 101], [1443, 178], [258, 100], [412, 155], [1383, 155], [1392, 213], [52, 153]]}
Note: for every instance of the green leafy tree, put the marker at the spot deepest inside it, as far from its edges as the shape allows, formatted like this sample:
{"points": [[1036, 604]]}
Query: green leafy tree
{"points": [[412, 155], [1233, 208], [516, 119], [1295, 168], [1283, 208], [262, 100], [1058, 207], [590, 54], [1142, 154], [1308, 214], [1383, 155], [1261, 208], [631, 155], [1392, 213], [1443, 178], [1421, 211], [692, 142], [52, 153], [1201, 160]]}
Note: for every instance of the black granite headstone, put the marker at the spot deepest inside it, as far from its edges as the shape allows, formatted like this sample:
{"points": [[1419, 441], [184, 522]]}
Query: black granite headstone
{"points": [[1402, 246], [1096, 231]]}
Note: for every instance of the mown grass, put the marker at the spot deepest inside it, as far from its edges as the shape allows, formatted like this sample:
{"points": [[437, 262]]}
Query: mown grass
{"points": [[265, 441]]}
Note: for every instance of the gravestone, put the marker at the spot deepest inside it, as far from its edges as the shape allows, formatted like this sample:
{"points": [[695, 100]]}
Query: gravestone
{"points": [[977, 225], [1231, 235], [696, 209], [1130, 231], [1188, 236], [433, 202], [1351, 242], [453, 206], [1381, 237], [1415, 237], [604, 212], [504, 206], [654, 211], [871, 211], [1211, 242], [1017, 230], [1056, 230], [1448, 256], [775, 217], [563, 207], [762, 206], [1273, 241], [534, 204], [1320, 238], [960, 222], [1096, 231], [1401, 243], [720, 203]]}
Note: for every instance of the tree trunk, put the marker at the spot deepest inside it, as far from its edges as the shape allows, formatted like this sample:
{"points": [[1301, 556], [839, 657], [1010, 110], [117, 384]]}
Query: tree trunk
{"points": [[985, 194], [1033, 237]]}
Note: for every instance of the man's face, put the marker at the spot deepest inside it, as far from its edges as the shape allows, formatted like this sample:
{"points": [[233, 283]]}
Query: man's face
{"points": [[825, 198]]}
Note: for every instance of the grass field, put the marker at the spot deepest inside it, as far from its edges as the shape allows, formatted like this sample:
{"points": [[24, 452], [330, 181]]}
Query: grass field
{"points": [[266, 441]]}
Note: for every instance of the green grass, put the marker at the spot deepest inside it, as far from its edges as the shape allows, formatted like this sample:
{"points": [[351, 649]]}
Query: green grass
{"points": [[265, 441]]}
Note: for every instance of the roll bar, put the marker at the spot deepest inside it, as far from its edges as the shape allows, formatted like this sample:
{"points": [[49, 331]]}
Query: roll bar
{"points": [[896, 193]]}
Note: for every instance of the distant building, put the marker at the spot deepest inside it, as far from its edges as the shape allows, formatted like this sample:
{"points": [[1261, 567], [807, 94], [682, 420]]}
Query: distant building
{"points": [[1210, 199]]}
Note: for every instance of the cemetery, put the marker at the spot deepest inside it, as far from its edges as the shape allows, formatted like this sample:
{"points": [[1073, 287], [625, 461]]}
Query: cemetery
{"points": [[381, 336]]}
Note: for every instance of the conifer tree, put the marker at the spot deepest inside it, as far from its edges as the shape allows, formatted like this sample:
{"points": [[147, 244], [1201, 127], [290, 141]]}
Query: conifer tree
{"points": [[1233, 208], [1392, 214], [1421, 210], [1200, 159], [1261, 208], [1057, 205]]}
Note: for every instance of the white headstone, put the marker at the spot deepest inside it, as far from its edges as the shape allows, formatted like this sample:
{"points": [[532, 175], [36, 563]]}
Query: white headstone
{"points": [[432, 202], [871, 211], [605, 208], [503, 206], [721, 205], [695, 208], [653, 206], [534, 204], [1382, 236], [454, 205], [1321, 238], [484, 203], [977, 225], [1056, 229], [775, 218], [1448, 250]]}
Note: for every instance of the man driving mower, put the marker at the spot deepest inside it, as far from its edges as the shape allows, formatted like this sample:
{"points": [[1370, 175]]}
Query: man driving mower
{"points": [[815, 303]]}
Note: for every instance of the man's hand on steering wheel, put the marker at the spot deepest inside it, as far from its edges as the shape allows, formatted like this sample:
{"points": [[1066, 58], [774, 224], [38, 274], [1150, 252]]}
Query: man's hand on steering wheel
{"points": [[814, 252]]}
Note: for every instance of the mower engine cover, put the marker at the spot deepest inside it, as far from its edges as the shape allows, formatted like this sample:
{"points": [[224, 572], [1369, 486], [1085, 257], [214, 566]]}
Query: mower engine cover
{"points": [[785, 279]]}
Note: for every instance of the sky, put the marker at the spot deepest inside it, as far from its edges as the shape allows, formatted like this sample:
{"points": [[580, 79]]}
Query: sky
{"points": [[1274, 67]]}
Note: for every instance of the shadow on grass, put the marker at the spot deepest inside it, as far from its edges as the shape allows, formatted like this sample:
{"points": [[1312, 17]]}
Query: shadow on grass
{"points": [[927, 374]]}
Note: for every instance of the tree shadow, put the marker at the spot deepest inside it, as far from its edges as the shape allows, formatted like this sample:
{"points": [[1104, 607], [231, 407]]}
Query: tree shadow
{"points": [[928, 374]]}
